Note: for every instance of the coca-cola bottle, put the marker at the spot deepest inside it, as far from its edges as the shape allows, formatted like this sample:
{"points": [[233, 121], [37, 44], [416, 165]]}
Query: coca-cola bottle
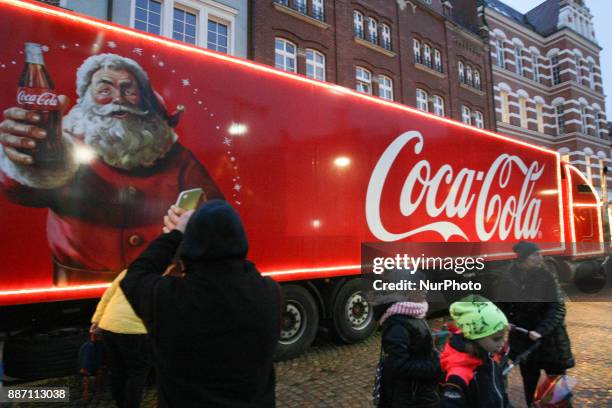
{"points": [[36, 92]]}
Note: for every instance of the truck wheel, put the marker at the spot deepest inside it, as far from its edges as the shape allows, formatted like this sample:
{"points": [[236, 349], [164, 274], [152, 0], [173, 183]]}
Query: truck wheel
{"points": [[299, 322], [43, 355], [353, 316]]}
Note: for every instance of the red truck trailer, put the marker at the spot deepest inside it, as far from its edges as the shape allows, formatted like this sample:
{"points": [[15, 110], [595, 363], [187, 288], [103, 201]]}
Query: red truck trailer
{"points": [[314, 169]]}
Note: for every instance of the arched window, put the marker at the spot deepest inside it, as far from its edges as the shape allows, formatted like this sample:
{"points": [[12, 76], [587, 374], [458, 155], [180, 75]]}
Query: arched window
{"points": [[478, 120], [477, 79], [461, 72], [421, 99], [386, 36], [372, 31], [358, 24], [385, 87], [438, 105], [315, 64], [363, 78], [466, 115], [416, 50], [285, 55]]}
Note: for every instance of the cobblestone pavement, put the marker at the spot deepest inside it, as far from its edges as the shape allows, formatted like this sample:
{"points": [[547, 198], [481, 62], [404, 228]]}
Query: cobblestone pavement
{"points": [[341, 376]]}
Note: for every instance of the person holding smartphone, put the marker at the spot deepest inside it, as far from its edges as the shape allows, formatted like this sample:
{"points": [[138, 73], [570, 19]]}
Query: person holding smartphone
{"points": [[213, 331]]}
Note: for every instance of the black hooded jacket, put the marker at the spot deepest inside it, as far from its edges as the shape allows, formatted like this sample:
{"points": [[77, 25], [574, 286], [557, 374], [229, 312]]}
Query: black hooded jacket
{"points": [[213, 331]]}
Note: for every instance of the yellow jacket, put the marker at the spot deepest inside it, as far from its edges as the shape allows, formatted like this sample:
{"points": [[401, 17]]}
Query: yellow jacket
{"points": [[115, 314]]}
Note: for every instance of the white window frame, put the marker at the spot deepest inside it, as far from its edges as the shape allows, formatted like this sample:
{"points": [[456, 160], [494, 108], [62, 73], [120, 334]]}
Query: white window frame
{"points": [[438, 105], [466, 115], [427, 55], [422, 100], [477, 83], [416, 50], [597, 125], [555, 69], [578, 65], [540, 117], [285, 54], [478, 119], [518, 59], [469, 79], [386, 35], [523, 112], [584, 121], [385, 87], [505, 106], [591, 75], [363, 78], [560, 119], [535, 66], [205, 10], [301, 6], [438, 60], [161, 16], [314, 64], [500, 57], [218, 21], [318, 5], [358, 23], [461, 70], [372, 30]]}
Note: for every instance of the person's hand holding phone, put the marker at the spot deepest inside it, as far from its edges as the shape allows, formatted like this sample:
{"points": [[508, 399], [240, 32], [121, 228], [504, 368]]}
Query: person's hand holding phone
{"points": [[176, 219]]}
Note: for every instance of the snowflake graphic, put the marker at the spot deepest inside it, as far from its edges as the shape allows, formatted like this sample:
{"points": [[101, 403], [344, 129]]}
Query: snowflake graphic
{"points": [[111, 44], [77, 45], [137, 51], [227, 141], [185, 82], [63, 46], [45, 48], [238, 202], [161, 63], [199, 102], [237, 187], [233, 159], [13, 62], [3, 66]]}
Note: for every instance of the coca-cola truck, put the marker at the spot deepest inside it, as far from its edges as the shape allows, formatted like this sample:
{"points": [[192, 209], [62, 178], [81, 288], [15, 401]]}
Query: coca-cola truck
{"points": [[314, 169]]}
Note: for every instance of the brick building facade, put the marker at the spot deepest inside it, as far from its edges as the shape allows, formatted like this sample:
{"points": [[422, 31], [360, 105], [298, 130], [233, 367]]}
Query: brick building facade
{"points": [[420, 53], [547, 80]]}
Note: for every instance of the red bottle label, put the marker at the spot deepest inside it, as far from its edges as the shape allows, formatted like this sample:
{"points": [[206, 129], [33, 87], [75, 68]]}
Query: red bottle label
{"points": [[43, 99]]}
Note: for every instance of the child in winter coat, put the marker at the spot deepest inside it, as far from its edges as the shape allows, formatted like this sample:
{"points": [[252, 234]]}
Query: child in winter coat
{"points": [[470, 359], [410, 363]]}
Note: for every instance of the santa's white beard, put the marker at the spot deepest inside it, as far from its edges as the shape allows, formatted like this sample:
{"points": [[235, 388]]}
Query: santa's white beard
{"points": [[137, 140]]}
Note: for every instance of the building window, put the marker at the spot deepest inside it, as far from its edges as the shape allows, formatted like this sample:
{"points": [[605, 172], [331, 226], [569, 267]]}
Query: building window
{"points": [[477, 79], [318, 10], [468, 76], [315, 64], [217, 36], [591, 75], [184, 26], [584, 120], [438, 60], [540, 117], [416, 49], [597, 126], [285, 53], [385, 87], [578, 70], [372, 31], [556, 72], [518, 59], [499, 47], [479, 120], [358, 24], [466, 115], [438, 105], [559, 114], [386, 37], [364, 80], [535, 65], [523, 112], [300, 5], [421, 99], [148, 16], [461, 72], [200, 24], [427, 55], [505, 107]]}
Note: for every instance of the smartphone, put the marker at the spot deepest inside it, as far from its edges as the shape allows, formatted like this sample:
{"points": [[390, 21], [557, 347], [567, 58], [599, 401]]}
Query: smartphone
{"points": [[189, 199]]}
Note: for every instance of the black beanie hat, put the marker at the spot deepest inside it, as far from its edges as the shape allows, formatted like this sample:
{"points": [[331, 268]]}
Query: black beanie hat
{"points": [[523, 249], [214, 232]]}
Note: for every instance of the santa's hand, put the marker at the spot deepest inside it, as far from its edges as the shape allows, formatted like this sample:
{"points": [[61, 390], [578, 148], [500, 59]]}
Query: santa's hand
{"points": [[18, 131], [177, 218]]}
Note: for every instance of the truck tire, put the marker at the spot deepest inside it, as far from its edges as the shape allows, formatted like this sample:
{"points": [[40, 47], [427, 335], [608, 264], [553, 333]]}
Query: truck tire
{"points": [[353, 317], [299, 322], [43, 355]]}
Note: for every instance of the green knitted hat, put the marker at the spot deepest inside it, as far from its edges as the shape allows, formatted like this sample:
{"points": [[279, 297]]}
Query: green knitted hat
{"points": [[477, 317]]}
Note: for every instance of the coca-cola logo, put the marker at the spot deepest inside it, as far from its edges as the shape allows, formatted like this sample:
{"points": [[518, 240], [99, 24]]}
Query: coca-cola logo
{"points": [[43, 99], [494, 215]]}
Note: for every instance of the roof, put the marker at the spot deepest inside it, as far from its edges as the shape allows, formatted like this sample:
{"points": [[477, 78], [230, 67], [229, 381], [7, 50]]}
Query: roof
{"points": [[542, 19]]}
